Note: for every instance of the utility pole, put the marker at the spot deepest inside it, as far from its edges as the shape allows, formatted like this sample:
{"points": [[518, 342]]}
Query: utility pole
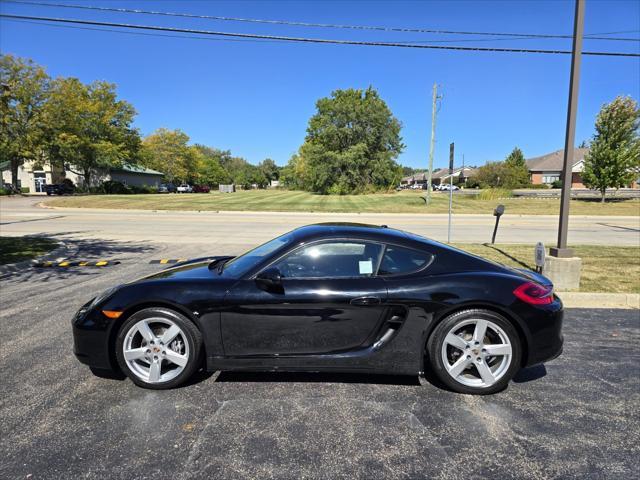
{"points": [[561, 251], [433, 140], [451, 157]]}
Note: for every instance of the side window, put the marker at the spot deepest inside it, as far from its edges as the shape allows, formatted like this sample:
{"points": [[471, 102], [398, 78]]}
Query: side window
{"points": [[398, 260], [331, 260]]}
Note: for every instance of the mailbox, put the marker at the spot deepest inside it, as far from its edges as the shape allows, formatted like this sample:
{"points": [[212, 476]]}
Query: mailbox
{"points": [[497, 212]]}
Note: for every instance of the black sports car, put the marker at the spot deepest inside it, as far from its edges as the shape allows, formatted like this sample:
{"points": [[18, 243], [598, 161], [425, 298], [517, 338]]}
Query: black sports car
{"points": [[328, 297]]}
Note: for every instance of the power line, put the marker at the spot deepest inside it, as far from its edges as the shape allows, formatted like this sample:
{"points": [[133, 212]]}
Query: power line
{"points": [[307, 40], [146, 34], [193, 37], [323, 25]]}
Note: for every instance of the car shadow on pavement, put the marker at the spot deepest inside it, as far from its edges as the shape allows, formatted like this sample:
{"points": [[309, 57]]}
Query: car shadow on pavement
{"points": [[530, 374], [317, 377], [90, 250]]}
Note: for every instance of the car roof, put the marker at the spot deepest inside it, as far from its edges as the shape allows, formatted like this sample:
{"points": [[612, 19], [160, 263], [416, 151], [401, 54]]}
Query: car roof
{"points": [[357, 230]]}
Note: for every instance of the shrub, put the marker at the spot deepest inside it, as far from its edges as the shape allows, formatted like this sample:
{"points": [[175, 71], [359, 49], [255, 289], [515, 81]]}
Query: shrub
{"points": [[115, 187], [494, 194], [538, 186], [4, 191], [557, 184], [24, 190]]}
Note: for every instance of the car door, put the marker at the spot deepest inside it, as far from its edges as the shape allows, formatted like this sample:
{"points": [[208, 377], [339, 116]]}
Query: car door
{"points": [[328, 300]]}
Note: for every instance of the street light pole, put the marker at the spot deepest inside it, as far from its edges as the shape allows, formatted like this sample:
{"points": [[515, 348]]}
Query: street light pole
{"points": [[561, 251]]}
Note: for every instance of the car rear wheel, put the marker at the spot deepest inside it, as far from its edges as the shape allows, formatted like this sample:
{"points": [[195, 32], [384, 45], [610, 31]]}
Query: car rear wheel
{"points": [[475, 352], [158, 348]]}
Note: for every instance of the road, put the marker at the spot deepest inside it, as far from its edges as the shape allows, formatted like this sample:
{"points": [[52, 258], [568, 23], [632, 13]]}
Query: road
{"points": [[577, 417], [232, 232]]}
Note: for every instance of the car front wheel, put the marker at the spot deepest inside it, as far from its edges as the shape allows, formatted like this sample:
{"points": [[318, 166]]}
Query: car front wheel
{"points": [[158, 348], [475, 352]]}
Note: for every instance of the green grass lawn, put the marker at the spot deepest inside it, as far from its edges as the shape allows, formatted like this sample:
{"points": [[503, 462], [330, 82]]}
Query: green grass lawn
{"points": [[294, 201], [17, 249], [604, 269]]}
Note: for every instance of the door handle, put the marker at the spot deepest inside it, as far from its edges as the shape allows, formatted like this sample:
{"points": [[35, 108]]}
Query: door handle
{"points": [[365, 301]]}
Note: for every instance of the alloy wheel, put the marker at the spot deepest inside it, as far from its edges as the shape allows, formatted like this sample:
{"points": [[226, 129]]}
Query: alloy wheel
{"points": [[476, 353], [156, 350]]}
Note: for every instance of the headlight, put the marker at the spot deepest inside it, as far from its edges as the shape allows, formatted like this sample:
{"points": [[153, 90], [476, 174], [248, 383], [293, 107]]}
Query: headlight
{"points": [[103, 296]]}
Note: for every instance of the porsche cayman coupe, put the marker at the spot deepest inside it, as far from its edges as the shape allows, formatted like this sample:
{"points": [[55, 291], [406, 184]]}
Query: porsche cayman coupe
{"points": [[328, 297]]}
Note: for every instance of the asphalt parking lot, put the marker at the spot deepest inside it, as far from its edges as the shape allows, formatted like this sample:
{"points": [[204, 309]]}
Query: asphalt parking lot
{"points": [[576, 417]]}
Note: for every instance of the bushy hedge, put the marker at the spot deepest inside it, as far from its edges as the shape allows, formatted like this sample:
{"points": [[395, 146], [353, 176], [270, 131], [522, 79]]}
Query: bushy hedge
{"points": [[113, 187], [5, 191]]}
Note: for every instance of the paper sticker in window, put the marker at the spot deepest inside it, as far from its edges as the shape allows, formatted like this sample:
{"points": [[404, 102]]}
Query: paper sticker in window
{"points": [[366, 267]]}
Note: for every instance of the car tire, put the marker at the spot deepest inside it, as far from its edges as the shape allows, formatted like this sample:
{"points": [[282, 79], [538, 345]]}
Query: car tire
{"points": [[459, 353], [151, 362]]}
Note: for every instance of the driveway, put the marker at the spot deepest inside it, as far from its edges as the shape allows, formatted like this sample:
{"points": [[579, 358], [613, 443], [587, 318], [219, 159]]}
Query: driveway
{"points": [[576, 417]]}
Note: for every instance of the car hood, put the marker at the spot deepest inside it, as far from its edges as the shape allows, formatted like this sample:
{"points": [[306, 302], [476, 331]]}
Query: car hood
{"points": [[196, 269]]}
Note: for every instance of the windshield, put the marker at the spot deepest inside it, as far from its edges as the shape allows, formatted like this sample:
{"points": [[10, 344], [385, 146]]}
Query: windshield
{"points": [[242, 264]]}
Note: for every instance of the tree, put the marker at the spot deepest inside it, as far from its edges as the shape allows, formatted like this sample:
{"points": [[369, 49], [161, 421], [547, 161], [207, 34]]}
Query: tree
{"points": [[512, 173], [88, 128], [491, 175], [269, 169], [517, 174], [168, 152], [351, 144], [614, 156], [211, 171], [24, 89]]}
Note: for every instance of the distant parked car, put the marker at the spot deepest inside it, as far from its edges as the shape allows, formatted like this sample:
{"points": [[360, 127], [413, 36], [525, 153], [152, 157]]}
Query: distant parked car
{"points": [[201, 189], [446, 187], [167, 188], [65, 188], [184, 188]]}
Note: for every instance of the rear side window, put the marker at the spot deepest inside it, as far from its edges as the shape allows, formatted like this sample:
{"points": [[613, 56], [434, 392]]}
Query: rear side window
{"points": [[398, 260]]}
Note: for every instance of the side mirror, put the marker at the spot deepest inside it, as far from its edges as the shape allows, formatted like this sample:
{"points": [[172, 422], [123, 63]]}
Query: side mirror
{"points": [[269, 279]]}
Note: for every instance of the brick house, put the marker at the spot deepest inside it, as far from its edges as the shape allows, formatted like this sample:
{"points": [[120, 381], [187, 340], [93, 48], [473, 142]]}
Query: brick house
{"points": [[548, 168]]}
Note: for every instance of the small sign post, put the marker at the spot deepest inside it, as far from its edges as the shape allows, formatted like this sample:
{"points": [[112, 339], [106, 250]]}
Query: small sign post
{"points": [[540, 255]]}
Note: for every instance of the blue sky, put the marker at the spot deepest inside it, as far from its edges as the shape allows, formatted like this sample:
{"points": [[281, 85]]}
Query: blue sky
{"points": [[255, 98]]}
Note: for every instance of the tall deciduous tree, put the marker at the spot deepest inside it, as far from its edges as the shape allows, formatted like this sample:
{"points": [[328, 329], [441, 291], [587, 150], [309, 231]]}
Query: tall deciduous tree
{"points": [[269, 169], [89, 129], [168, 152], [211, 171], [613, 160], [351, 144], [24, 89]]}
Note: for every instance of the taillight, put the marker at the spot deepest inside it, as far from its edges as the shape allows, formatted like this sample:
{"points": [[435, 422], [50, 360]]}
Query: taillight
{"points": [[534, 293]]}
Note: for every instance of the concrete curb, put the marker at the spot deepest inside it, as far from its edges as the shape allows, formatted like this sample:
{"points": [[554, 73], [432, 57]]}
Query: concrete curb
{"points": [[599, 300], [56, 255]]}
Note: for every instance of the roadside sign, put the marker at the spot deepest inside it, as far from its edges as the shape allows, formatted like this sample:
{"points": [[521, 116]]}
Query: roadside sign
{"points": [[451, 146], [540, 255]]}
